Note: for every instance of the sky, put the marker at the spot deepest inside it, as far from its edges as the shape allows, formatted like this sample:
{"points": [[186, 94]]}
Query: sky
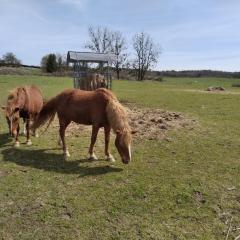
{"points": [[193, 34]]}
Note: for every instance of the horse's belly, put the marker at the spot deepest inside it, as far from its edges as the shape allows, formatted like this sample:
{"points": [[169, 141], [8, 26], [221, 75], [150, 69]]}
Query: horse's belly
{"points": [[82, 119], [88, 120], [84, 113]]}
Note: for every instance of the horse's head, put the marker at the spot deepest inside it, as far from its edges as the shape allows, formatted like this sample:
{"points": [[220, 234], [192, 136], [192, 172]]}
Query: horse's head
{"points": [[12, 115], [123, 144]]}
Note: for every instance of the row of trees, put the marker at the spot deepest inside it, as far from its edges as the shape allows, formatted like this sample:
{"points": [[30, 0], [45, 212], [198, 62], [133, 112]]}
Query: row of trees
{"points": [[104, 40], [146, 51]]}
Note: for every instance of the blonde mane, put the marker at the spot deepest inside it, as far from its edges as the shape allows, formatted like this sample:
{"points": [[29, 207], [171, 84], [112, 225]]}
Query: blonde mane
{"points": [[117, 116], [12, 94]]}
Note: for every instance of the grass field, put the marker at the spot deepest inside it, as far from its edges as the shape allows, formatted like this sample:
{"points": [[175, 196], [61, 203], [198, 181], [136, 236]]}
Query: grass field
{"points": [[185, 187]]}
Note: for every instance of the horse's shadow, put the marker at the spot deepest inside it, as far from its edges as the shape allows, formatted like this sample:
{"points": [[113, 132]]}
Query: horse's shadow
{"points": [[5, 139], [48, 161]]}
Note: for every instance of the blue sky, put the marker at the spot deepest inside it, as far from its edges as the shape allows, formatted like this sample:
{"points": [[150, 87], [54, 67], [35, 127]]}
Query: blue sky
{"points": [[193, 34]]}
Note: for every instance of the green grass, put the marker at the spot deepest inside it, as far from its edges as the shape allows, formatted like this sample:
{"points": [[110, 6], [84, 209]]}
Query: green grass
{"points": [[154, 197]]}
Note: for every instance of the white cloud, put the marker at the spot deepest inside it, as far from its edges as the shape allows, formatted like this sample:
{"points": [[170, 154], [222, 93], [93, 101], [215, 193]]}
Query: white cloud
{"points": [[80, 5], [12, 10]]}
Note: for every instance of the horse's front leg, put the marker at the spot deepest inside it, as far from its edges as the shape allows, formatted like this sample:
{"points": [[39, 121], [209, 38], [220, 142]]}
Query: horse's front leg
{"points": [[62, 129], [108, 156], [29, 142], [9, 127], [16, 135], [95, 129]]}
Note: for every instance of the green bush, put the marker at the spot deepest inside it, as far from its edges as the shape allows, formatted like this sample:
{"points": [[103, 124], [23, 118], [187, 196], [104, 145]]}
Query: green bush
{"points": [[49, 63]]}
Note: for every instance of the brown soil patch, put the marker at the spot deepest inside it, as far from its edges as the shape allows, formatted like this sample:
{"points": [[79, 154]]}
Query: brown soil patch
{"points": [[207, 92], [215, 89], [151, 124], [3, 173]]}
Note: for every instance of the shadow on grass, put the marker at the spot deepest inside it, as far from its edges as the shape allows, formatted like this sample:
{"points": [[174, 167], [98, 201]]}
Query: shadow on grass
{"points": [[41, 159], [5, 139]]}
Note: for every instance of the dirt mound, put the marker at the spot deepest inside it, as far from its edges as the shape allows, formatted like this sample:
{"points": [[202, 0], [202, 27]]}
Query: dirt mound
{"points": [[151, 124], [154, 123], [214, 89]]}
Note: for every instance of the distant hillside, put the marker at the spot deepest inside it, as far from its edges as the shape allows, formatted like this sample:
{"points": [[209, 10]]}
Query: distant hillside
{"points": [[199, 73], [157, 75], [128, 74], [19, 71]]}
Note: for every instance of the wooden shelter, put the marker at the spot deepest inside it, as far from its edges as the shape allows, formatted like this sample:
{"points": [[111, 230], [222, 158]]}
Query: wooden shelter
{"points": [[81, 71]]}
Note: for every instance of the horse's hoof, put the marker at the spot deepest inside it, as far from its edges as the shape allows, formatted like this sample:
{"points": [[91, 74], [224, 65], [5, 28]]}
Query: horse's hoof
{"points": [[67, 154], [59, 142], [93, 157], [17, 144], [29, 142], [110, 158]]}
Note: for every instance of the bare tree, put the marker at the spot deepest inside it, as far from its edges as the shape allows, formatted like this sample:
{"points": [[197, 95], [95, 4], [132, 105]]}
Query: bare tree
{"points": [[147, 53], [118, 47], [103, 40], [100, 38]]}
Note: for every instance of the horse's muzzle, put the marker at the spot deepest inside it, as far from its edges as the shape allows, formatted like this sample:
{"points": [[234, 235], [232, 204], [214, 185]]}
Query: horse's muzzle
{"points": [[125, 161]]}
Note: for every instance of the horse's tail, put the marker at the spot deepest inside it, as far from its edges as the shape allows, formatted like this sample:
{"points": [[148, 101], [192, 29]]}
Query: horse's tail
{"points": [[47, 113]]}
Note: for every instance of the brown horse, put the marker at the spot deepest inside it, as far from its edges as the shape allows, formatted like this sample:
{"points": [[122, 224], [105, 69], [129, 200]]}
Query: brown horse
{"points": [[99, 108], [23, 102]]}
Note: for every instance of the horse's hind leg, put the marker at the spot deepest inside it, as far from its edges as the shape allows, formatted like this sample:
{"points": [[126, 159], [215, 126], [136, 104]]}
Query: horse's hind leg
{"points": [[59, 141], [95, 129], [63, 126], [108, 156], [34, 131], [29, 142]]}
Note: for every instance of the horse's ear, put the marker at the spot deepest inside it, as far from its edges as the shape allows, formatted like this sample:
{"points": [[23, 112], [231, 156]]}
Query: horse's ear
{"points": [[134, 131]]}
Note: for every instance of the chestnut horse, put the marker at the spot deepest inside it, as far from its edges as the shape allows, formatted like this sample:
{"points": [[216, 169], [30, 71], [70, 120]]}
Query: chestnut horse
{"points": [[23, 102], [99, 108]]}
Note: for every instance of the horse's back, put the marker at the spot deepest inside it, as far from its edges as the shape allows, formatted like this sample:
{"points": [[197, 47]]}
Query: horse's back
{"points": [[84, 107], [82, 95]]}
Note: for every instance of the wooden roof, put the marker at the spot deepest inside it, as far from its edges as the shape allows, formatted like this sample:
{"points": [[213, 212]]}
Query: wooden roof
{"points": [[90, 57]]}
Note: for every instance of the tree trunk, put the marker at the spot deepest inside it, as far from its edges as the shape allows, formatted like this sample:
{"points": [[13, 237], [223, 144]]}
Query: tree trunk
{"points": [[118, 73], [139, 74]]}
